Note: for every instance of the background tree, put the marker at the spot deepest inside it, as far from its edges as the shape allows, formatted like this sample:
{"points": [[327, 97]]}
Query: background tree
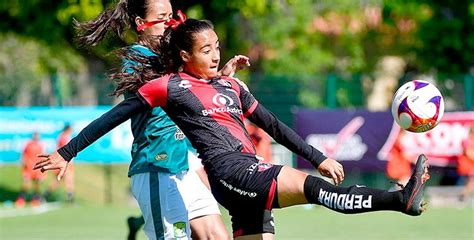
{"points": [[299, 48]]}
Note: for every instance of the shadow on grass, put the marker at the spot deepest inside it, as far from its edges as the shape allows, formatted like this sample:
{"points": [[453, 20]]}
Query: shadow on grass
{"points": [[8, 194]]}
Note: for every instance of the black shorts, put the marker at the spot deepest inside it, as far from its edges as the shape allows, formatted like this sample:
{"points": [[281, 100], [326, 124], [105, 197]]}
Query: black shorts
{"points": [[247, 189]]}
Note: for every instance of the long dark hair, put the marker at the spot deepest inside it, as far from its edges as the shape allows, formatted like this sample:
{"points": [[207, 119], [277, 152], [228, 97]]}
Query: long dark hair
{"points": [[168, 58], [116, 19]]}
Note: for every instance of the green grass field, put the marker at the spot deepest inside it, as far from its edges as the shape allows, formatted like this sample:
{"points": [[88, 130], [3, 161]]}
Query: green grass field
{"points": [[108, 222], [91, 218]]}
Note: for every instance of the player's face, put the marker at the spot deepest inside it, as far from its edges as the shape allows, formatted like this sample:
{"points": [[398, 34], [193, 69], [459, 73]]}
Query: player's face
{"points": [[157, 10], [204, 58]]}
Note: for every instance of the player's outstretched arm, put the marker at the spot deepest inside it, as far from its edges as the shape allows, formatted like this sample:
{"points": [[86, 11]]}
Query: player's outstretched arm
{"points": [[235, 64], [288, 138], [88, 135]]}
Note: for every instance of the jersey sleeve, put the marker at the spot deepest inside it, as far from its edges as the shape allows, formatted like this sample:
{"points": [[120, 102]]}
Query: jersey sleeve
{"points": [[102, 125], [285, 135], [155, 92], [249, 103]]}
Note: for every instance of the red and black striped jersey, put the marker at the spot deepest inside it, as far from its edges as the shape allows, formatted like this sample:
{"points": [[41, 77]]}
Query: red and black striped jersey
{"points": [[209, 112]]}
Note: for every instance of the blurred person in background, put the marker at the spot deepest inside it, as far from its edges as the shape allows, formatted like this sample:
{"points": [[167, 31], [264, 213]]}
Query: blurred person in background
{"points": [[261, 140], [466, 165], [31, 186], [399, 164], [63, 138], [161, 155]]}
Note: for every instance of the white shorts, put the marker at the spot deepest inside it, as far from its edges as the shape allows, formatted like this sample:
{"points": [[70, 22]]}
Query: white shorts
{"points": [[169, 201]]}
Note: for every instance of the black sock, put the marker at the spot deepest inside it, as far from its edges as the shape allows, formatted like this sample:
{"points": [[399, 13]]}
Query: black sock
{"points": [[354, 199]]}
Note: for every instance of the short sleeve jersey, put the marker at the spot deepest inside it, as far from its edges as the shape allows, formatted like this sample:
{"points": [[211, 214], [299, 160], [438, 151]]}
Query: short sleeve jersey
{"points": [[210, 112]]}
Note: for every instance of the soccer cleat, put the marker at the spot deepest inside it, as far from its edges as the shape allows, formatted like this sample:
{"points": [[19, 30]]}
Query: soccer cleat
{"points": [[413, 191]]}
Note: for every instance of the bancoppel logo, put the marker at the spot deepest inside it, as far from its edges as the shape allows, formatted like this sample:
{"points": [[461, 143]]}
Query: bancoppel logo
{"points": [[222, 100], [224, 104]]}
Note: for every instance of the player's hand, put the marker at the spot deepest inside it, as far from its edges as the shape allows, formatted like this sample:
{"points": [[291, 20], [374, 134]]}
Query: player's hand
{"points": [[235, 64], [54, 161], [331, 168]]}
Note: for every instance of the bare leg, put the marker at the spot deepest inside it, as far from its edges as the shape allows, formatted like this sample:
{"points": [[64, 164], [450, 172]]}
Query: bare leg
{"points": [[203, 176], [291, 192], [208, 227]]}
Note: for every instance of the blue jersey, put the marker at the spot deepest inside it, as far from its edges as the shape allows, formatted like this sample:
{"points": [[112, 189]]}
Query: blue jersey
{"points": [[158, 145]]}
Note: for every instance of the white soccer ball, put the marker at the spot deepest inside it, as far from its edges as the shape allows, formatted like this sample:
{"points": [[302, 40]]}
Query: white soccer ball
{"points": [[417, 106]]}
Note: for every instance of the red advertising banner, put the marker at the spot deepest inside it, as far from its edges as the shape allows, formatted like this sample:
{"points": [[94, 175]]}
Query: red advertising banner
{"points": [[442, 145]]}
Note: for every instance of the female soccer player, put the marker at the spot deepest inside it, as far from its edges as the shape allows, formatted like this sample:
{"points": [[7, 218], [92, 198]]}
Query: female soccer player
{"points": [[210, 110], [160, 180]]}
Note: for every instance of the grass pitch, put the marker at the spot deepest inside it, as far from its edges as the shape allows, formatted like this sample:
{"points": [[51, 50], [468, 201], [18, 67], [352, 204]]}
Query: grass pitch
{"points": [[92, 217], [108, 222]]}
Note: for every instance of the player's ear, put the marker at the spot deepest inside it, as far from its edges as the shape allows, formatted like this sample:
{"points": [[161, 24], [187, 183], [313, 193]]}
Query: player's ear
{"points": [[139, 21], [185, 56]]}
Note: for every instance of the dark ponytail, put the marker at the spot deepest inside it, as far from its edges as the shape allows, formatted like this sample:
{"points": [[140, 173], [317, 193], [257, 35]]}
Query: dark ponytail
{"points": [[131, 77], [168, 59], [181, 38], [117, 19]]}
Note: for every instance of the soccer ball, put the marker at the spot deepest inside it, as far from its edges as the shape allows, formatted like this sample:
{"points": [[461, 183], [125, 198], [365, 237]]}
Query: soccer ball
{"points": [[417, 106]]}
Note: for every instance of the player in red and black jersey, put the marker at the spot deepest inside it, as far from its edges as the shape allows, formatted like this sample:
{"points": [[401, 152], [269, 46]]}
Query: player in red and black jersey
{"points": [[210, 110]]}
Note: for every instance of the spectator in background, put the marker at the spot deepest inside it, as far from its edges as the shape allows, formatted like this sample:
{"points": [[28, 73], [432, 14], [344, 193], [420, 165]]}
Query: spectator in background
{"points": [[261, 140], [399, 164], [31, 179], [63, 139], [466, 165]]}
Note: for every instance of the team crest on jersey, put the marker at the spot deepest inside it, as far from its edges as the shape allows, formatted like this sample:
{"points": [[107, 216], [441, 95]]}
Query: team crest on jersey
{"points": [[162, 156], [179, 135], [224, 83], [179, 229]]}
